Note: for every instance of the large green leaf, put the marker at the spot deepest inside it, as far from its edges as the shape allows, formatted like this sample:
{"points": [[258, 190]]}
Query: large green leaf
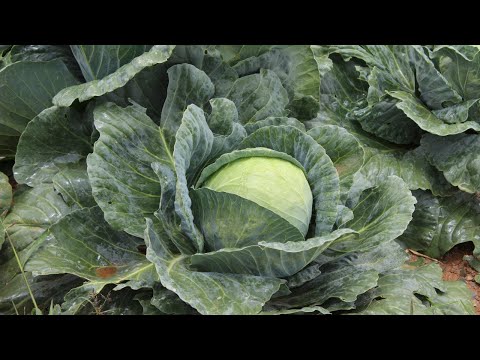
{"points": [[190, 54], [123, 182], [192, 148], [342, 94], [148, 89], [419, 291], [222, 117], [321, 173], [324, 63], [259, 96], [169, 220], [83, 244], [344, 150], [441, 223], [210, 61], [33, 212], [377, 204], [195, 145], [275, 259], [458, 113], [98, 61], [209, 293], [412, 166], [456, 299], [381, 215], [333, 113], [390, 67], [27, 89], [342, 81], [186, 85], [468, 52], [223, 121], [298, 72], [434, 88], [39, 52], [426, 119], [385, 120], [10, 267], [303, 276], [457, 157], [344, 278], [52, 141], [98, 86], [46, 53], [74, 186], [392, 70], [461, 68], [220, 73]]}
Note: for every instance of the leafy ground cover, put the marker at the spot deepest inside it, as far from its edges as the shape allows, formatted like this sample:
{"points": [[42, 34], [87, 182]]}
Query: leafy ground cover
{"points": [[140, 179]]}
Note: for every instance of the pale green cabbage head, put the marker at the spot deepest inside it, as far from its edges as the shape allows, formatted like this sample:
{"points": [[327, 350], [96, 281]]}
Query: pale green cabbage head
{"points": [[273, 183]]}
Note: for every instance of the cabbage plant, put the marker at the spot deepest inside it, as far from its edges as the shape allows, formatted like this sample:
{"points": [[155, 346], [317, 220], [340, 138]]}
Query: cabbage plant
{"points": [[182, 180]]}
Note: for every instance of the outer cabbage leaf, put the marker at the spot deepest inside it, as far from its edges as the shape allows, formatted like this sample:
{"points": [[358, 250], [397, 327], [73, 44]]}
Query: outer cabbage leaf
{"points": [[441, 223], [32, 213], [344, 150], [274, 259], [259, 96], [186, 85], [102, 81], [98, 61], [457, 157], [419, 291], [27, 89], [381, 215], [207, 292], [412, 166], [426, 119], [343, 278], [460, 66], [74, 186], [297, 69], [123, 182], [54, 140], [83, 244]]}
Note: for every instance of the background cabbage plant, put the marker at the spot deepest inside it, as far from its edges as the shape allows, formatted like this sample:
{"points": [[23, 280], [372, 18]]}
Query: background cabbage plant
{"points": [[234, 179]]}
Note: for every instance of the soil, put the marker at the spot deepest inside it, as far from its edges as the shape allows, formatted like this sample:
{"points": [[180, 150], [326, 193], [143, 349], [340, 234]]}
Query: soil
{"points": [[455, 268]]}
